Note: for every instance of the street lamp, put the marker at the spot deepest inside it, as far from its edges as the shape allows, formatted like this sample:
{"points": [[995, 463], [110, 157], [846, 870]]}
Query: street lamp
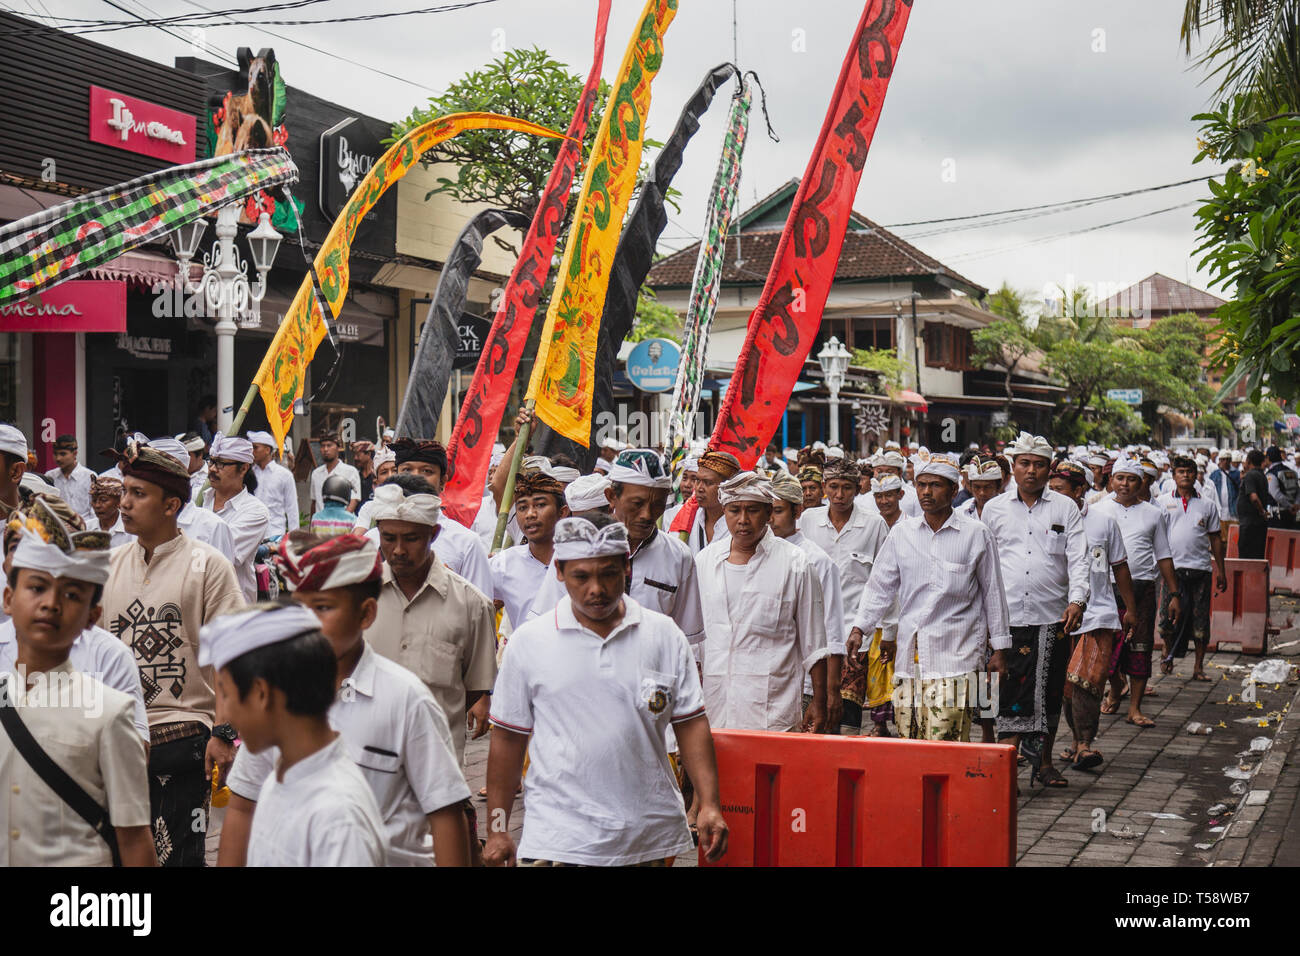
{"points": [[225, 287], [834, 360]]}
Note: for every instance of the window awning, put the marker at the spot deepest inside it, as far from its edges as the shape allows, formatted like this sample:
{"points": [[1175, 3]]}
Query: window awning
{"points": [[916, 399], [144, 269]]}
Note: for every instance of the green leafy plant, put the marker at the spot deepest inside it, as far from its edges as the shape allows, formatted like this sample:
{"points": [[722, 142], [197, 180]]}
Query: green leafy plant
{"points": [[887, 366]]}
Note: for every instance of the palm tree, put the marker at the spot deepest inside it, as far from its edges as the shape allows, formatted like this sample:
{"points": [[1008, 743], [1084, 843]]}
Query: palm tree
{"points": [[1256, 52]]}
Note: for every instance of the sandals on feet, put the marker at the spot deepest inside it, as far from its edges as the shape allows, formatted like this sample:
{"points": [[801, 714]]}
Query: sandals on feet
{"points": [[1143, 721], [1086, 760], [1049, 777]]}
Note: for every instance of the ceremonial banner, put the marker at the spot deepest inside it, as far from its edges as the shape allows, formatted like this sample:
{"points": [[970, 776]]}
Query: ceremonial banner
{"points": [[789, 312], [476, 427], [281, 375], [708, 278], [68, 240], [426, 386], [632, 261], [564, 373]]}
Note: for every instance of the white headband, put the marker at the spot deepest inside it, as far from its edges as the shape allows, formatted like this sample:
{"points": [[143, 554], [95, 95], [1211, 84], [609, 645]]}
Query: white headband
{"points": [[194, 446], [886, 483], [984, 471], [746, 486], [1027, 444], [234, 635], [262, 438], [943, 465], [587, 493], [231, 449], [13, 441], [384, 454], [640, 466], [1127, 466], [541, 463], [393, 504], [173, 449], [889, 459], [37, 555], [577, 538]]}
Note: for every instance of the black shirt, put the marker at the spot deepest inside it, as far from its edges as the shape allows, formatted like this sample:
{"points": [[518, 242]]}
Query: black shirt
{"points": [[1247, 512]]}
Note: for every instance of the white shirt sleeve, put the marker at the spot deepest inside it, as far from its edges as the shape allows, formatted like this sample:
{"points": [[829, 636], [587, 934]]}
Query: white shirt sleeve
{"points": [[881, 589], [346, 842], [120, 673], [988, 571], [432, 768], [688, 696], [250, 771], [810, 616], [512, 704]]}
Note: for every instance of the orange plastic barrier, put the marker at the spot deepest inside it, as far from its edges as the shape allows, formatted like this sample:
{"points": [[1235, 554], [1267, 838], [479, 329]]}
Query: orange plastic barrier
{"points": [[814, 800], [1240, 614], [1283, 555], [1234, 532]]}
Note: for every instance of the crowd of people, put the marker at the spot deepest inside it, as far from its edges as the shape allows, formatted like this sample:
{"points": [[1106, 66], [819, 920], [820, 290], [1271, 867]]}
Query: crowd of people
{"points": [[197, 668]]}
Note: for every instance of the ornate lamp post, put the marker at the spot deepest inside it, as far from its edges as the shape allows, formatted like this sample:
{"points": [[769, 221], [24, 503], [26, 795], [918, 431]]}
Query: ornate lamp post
{"points": [[834, 359], [226, 291]]}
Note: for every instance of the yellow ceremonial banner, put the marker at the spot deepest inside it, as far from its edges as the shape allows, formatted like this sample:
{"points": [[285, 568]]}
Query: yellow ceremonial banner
{"points": [[563, 375], [284, 367]]}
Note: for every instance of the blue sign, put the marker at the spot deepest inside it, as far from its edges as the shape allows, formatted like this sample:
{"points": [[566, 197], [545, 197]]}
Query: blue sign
{"points": [[1129, 396], [652, 365]]}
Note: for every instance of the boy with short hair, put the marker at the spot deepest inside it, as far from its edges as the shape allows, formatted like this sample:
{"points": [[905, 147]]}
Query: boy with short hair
{"points": [[84, 727], [275, 681], [393, 728]]}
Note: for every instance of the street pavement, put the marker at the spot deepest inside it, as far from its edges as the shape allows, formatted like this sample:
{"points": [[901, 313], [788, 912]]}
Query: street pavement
{"points": [[1163, 796]]}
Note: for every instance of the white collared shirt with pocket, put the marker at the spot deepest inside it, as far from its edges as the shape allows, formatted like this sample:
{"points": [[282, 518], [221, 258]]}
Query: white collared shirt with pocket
{"points": [[1189, 528], [1146, 535], [1043, 554], [600, 790], [397, 735], [853, 549]]}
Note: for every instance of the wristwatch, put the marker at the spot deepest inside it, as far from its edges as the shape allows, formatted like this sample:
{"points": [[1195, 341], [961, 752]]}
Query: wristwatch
{"points": [[1082, 605], [224, 732]]}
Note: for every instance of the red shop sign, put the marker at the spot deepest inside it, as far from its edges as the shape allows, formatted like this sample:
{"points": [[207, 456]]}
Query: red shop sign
{"points": [[140, 126], [82, 305]]}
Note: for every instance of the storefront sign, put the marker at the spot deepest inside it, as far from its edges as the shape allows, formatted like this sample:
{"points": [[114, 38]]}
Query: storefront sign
{"points": [[473, 332], [347, 151], [652, 365], [1129, 396], [146, 347], [140, 126], [82, 305]]}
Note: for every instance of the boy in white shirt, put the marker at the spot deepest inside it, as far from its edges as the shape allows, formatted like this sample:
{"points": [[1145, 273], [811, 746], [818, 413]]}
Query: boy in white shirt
{"points": [[275, 683], [393, 728]]}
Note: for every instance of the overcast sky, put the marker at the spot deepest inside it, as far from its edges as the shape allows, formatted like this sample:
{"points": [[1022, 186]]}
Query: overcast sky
{"points": [[1019, 102]]}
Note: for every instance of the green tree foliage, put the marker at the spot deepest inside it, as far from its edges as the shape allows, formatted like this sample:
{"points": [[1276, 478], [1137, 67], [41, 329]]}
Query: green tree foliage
{"points": [[1250, 234], [1254, 51], [654, 320], [505, 169], [885, 363]]}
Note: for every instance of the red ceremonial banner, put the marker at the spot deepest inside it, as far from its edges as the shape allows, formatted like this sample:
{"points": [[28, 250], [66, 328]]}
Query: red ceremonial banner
{"points": [[784, 324], [470, 447], [789, 312]]}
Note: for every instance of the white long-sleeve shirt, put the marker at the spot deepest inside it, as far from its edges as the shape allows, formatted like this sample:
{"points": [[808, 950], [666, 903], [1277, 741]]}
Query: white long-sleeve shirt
{"points": [[853, 549], [764, 629], [828, 576], [248, 520], [279, 492], [1043, 553], [948, 588]]}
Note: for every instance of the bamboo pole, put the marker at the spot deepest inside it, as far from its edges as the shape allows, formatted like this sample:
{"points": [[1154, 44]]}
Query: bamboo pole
{"points": [[508, 495]]}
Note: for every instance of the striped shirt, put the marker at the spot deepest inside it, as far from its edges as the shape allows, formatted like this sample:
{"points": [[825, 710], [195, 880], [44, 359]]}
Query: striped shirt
{"points": [[948, 586]]}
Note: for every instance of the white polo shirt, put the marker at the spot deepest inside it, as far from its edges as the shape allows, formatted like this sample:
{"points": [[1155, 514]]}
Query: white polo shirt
{"points": [[75, 488], [321, 814], [1146, 535], [599, 789], [1105, 550], [1190, 525], [97, 653], [663, 579], [397, 735], [517, 578]]}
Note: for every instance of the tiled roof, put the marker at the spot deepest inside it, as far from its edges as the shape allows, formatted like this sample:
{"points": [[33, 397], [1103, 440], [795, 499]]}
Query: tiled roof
{"points": [[1159, 293], [871, 253]]}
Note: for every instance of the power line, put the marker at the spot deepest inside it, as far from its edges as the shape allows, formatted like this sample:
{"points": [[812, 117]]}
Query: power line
{"points": [[1051, 205], [979, 254], [188, 41], [336, 56]]}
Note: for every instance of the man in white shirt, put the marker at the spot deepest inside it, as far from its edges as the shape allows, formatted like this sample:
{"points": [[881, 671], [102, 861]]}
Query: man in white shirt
{"points": [[1094, 642], [892, 463], [276, 488], [197, 523], [786, 508], [764, 619], [714, 468], [1146, 539], [1043, 552], [941, 570], [333, 465], [590, 691], [852, 535], [1197, 548], [519, 574], [984, 479], [71, 478], [230, 464], [105, 497], [196, 450], [662, 575]]}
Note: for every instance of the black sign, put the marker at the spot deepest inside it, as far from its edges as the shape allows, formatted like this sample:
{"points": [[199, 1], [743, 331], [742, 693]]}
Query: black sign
{"points": [[347, 151], [473, 336]]}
